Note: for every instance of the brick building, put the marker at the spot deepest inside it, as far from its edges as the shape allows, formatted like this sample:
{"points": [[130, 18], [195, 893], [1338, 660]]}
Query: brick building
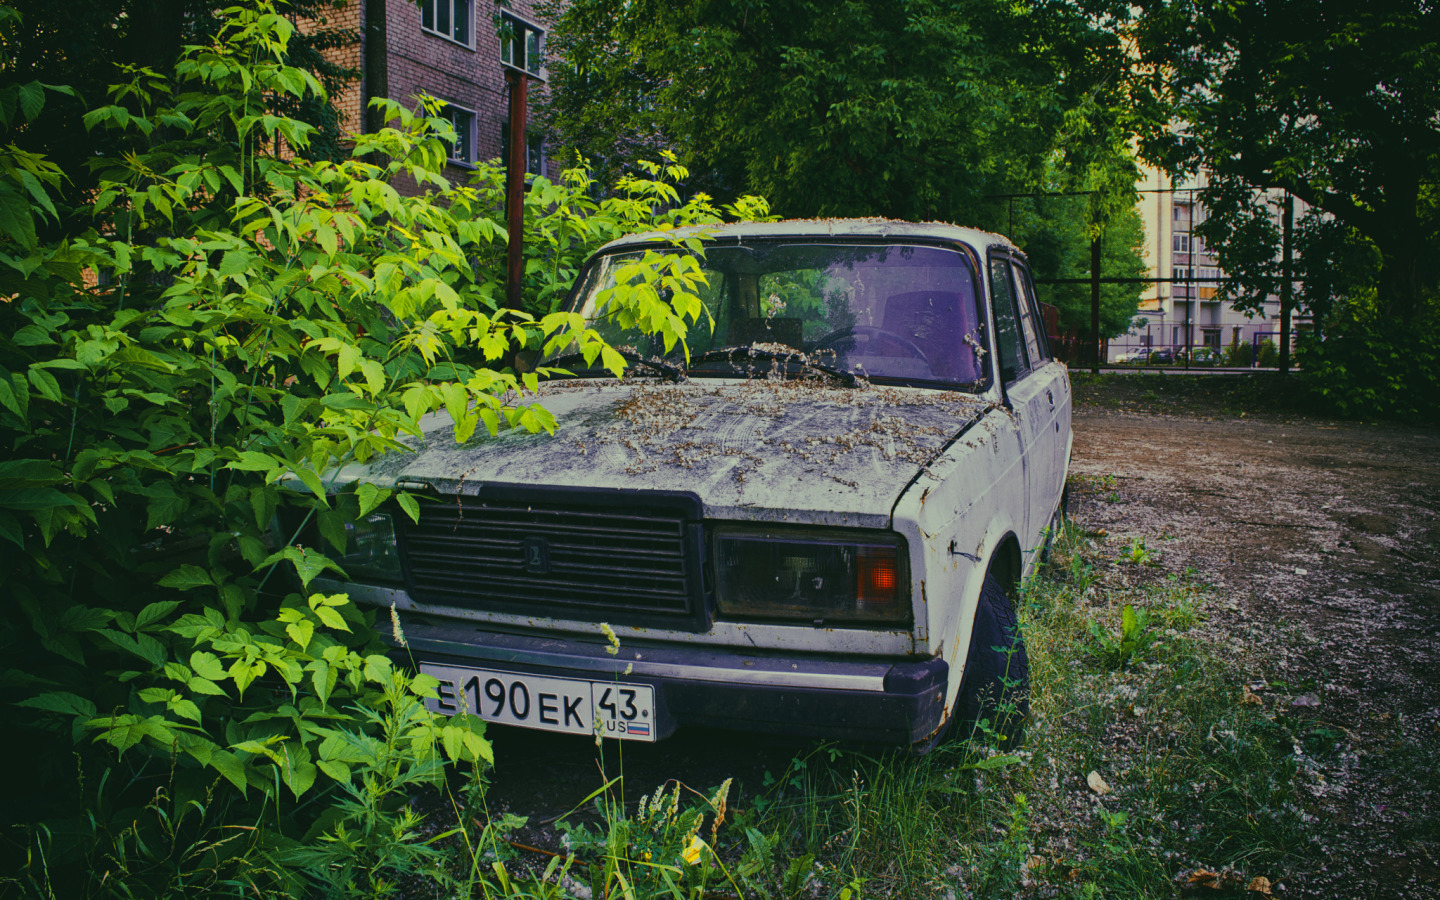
{"points": [[449, 49]]}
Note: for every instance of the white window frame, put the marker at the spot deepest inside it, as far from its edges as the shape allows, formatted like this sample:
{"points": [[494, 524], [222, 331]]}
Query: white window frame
{"points": [[430, 10], [468, 139]]}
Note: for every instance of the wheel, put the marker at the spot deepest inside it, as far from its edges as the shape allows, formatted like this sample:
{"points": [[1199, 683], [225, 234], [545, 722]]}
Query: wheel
{"points": [[996, 686], [872, 331]]}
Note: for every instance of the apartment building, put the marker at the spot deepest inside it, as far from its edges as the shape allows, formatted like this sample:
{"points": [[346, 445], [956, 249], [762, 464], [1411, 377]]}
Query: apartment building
{"points": [[1180, 308], [447, 49]]}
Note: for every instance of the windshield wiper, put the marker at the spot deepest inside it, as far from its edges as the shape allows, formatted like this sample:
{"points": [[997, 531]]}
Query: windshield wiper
{"points": [[735, 354], [667, 369]]}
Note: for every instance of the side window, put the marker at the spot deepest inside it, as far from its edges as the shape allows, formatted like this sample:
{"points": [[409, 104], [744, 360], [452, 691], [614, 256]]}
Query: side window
{"points": [[1029, 319], [1009, 343]]}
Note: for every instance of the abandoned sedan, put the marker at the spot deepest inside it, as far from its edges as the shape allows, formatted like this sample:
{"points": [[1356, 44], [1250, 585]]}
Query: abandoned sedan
{"points": [[806, 524]]}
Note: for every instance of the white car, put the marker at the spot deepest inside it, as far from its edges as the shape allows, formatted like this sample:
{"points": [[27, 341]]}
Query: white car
{"points": [[810, 527]]}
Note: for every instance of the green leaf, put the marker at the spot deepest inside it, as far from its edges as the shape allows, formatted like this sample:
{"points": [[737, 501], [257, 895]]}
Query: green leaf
{"points": [[332, 527], [410, 505], [370, 497], [200, 685], [253, 461], [33, 336], [301, 632], [330, 617], [40, 498], [155, 612], [61, 702], [229, 765], [296, 769], [322, 678], [185, 709], [308, 563], [311, 481], [10, 530], [45, 384], [207, 665], [187, 577]]}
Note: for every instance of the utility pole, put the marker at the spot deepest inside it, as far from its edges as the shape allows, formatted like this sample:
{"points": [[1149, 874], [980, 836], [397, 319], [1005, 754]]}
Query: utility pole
{"points": [[1095, 303], [522, 56], [515, 189], [1287, 287]]}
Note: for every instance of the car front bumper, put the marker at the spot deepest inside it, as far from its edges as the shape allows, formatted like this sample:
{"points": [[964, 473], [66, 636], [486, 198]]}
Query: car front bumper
{"points": [[806, 695]]}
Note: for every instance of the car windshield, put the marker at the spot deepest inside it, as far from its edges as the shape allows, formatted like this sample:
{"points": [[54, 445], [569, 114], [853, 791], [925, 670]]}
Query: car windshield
{"points": [[899, 313]]}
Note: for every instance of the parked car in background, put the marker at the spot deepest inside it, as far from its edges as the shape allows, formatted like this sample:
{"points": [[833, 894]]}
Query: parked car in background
{"points": [[812, 525], [1161, 356], [1132, 357], [1201, 356]]}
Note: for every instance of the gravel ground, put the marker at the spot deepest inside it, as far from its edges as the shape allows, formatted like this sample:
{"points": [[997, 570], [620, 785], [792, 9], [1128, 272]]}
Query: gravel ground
{"points": [[1323, 539]]}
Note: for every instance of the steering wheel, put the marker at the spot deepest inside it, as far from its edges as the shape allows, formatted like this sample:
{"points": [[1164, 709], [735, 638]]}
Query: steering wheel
{"points": [[871, 331]]}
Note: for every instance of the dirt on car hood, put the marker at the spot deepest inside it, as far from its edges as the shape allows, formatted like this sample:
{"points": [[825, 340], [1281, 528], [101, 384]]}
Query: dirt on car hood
{"points": [[758, 449]]}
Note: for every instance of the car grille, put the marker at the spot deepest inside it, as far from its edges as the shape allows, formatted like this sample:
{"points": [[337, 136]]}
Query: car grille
{"points": [[629, 559]]}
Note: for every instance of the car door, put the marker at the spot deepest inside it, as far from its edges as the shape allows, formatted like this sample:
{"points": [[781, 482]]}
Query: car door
{"points": [[1052, 448], [1025, 395]]}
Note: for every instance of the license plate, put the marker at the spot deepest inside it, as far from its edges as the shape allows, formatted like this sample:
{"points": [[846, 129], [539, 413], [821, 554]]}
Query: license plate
{"points": [[569, 705]]}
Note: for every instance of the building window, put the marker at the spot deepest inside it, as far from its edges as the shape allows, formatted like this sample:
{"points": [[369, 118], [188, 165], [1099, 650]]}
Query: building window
{"points": [[463, 120], [1181, 243], [535, 147], [449, 18]]}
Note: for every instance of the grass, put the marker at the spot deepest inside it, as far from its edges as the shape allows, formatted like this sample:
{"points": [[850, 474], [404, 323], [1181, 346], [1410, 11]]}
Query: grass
{"points": [[1174, 391], [1198, 780], [1147, 765]]}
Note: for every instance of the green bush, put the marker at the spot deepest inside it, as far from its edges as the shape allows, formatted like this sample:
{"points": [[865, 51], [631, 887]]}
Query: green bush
{"points": [[1238, 355], [1268, 356], [1370, 367], [219, 329]]}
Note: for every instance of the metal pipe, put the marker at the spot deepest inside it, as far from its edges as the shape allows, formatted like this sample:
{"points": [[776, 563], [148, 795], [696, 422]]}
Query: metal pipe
{"points": [[515, 189]]}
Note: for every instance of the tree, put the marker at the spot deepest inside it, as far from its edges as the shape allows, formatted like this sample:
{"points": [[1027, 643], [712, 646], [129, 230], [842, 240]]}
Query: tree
{"points": [[1332, 102], [90, 46], [917, 110], [1053, 233]]}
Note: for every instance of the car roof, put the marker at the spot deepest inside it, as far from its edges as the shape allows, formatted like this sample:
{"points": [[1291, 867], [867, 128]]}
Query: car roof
{"points": [[824, 228]]}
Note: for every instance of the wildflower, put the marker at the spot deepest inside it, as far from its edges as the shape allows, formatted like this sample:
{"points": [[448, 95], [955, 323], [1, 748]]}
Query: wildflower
{"points": [[395, 630], [718, 802], [614, 648]]}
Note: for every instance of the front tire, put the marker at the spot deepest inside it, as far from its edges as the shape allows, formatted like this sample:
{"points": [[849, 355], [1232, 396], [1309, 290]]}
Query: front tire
{"points": [[994, 693]]}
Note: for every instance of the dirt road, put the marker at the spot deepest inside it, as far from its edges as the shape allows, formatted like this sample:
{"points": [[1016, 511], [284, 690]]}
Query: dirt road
{"points": [[1324, 541]]}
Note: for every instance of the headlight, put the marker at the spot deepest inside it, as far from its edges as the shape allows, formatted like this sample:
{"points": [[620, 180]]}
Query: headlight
{"points": [[811, 574], [372, 553]]}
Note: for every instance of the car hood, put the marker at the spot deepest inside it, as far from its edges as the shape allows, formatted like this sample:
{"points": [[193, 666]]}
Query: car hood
{"points": [[760, 449]]}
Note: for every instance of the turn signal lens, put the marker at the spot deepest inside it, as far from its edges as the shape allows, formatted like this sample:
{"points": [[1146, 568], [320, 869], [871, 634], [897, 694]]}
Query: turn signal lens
{"points": [[878, 578]]}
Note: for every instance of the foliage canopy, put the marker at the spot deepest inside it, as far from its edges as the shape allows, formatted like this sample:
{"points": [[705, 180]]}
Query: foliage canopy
{"points": [[922, 110], [1334, 103]]}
